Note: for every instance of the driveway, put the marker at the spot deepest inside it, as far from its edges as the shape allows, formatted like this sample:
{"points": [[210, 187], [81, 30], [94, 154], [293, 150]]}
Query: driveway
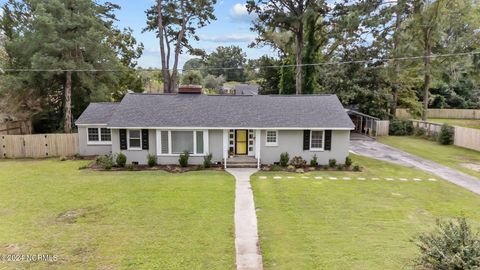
{"points": [[374, 149]]}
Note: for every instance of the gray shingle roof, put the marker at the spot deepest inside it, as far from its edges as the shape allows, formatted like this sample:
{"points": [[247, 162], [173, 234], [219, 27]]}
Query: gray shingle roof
{"points": [[97, 113], [259, 111]]}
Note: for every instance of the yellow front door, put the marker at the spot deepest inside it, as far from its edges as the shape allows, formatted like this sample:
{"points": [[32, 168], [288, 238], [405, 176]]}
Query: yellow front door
{"points": [[241, 142]]}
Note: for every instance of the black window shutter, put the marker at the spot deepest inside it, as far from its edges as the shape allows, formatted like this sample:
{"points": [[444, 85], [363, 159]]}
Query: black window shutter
{"points": [[328, 140], [123, 139], [145, 139], [306, 140]]}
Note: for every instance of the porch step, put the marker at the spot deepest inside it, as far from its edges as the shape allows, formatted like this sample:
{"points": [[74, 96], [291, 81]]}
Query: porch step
{"points": [[242, 162], [241, 165]]}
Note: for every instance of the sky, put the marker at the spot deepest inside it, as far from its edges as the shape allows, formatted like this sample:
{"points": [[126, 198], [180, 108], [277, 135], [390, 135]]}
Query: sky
{"points": [[232, 27]]}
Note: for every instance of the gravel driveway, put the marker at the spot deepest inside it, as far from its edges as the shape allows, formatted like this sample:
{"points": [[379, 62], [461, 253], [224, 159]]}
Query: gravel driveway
{"points": [[374, 149]]}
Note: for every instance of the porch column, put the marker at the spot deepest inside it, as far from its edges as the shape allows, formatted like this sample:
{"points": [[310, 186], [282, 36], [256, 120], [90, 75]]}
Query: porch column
{"points": [[225, 147], [258, 139]]}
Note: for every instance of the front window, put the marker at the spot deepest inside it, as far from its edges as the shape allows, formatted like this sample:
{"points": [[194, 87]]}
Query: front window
{"points": [[99, 135], [316, 140], [178, 141], [134, 139], [272, 138], [182, 141]]}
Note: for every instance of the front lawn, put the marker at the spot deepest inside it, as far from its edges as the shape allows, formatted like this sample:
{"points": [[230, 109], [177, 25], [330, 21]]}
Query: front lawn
{"points": [[458, 158], [469, 123], [308, 223], [115, 220]]}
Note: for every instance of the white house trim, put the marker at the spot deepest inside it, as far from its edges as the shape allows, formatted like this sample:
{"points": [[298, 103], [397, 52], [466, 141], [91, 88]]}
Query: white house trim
{"points": [[225, 147]]}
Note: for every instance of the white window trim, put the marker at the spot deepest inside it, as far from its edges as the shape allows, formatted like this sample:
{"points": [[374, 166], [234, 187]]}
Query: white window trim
{"points": [[128, 140], [170, 154], [323, 141], [99, 142], [267, 143]]}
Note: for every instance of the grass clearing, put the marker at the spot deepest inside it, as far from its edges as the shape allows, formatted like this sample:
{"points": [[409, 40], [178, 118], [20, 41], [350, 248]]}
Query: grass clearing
{"points": [[115, 220], [469, 123], [352, 224], [448, 155]]}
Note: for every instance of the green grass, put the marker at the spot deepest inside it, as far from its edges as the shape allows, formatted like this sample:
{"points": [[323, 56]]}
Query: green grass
{"points": [[448, 155], [126, 220], [469, 123], [339, 224]]}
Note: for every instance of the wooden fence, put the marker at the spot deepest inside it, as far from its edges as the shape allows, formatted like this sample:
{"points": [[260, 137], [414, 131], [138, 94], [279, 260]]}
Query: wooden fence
{"points": [[443, 113], [38, 146], [16, 127], [464, 137], [381, 127]]}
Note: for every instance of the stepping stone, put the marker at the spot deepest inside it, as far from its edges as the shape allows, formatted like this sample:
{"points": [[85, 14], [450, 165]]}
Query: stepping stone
{"points": [[290, 177], [417, 179], [263, 177], [403, 179], [360, 178], [305, 177], [277, 177], [375, 178], [389, 179], [432, 179], [332, 178], [318, 177], [346, 178]]}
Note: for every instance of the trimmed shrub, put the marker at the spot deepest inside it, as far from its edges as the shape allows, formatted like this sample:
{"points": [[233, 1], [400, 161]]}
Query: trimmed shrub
{"points": [[420, 132], [151, 160], [183, 160], [357, 168], [130, 167], [121, 160], [284, 158], [400, 127], [291, 168], [298, 162], [314, 162], [332, 163], [104, 161], [446, 134], [452, 245], [207, 161], [348, 161]]}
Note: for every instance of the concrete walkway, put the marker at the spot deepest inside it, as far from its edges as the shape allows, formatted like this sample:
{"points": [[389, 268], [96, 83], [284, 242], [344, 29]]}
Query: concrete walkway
{"points": [[246, 234], [384, 152]]}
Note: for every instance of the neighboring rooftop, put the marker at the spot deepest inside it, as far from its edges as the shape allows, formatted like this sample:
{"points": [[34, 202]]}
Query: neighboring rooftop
{"points": [[246, 89], [227, 111], [97, 113]]}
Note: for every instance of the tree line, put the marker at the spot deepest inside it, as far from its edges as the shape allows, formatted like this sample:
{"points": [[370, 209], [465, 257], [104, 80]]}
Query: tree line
{"points": [[376, 55]]}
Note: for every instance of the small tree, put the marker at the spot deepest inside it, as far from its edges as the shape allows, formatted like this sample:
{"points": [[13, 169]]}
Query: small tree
{"points": [[284, 158], [446, 135], [183, 160], [192, 77], [453, 245], [121, 160]]}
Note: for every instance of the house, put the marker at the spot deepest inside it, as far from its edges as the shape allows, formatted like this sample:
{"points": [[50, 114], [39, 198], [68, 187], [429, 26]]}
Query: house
{"points": [[240, 89], [255, 127]]}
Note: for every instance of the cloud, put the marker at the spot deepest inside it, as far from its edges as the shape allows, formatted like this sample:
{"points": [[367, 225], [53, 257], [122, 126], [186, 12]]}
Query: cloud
{"points": [[239, 13], [229, 38]]}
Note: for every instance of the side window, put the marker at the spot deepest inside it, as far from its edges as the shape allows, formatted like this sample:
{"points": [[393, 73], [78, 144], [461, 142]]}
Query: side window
{"points": [[105, 134], [134, 139], [272, 138], [93, 135]]}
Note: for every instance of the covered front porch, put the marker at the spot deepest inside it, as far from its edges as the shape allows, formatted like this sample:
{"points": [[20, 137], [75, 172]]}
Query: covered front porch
{"points": [[241, 148]]}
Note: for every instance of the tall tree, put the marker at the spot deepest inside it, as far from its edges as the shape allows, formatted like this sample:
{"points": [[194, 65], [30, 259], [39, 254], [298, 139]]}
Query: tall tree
{"points": [[228, 61], [175, 22], [287, 15]]}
